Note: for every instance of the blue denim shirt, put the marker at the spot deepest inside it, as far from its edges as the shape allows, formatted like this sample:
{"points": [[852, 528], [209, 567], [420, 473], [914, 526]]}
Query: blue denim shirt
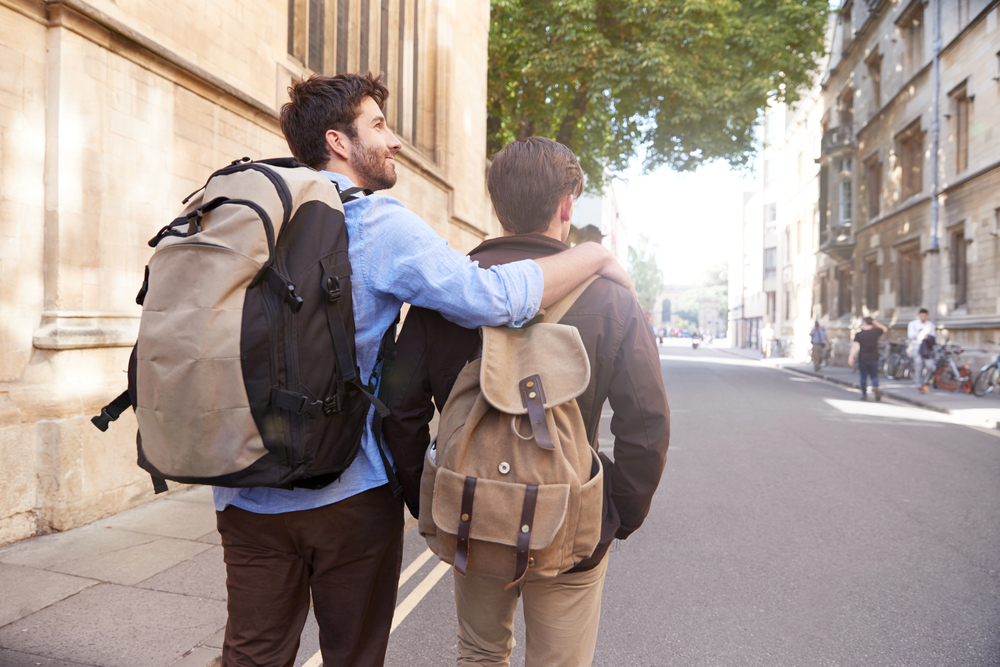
{"points": [[396, 257]]}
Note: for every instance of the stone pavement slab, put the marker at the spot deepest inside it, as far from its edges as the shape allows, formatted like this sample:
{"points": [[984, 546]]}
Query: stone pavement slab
{"points": [[167, 518], [48, 551], [201, 576], [26, 590], [10, 658], [134, 564], [117, 626]]}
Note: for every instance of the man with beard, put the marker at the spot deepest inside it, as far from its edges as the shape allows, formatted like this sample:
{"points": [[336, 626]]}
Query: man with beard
{"points": [[343, 543]]}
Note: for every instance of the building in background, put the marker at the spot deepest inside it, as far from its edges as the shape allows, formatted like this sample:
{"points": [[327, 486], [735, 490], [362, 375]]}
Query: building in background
{"points": [[598, 218], [110, 113], [887, 180]]}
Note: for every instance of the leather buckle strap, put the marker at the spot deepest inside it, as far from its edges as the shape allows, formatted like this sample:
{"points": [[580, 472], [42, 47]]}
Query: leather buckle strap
{"points": [[533, 398], [524, 534], [465, 525]]}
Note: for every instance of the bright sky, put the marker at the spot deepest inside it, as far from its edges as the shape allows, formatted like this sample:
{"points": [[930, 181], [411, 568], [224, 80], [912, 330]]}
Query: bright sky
{"points": [[694, 218]]}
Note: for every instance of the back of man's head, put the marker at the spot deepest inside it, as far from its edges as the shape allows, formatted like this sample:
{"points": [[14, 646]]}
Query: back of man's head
{"points": [[869, 321], [321, 103], [528, 179]]}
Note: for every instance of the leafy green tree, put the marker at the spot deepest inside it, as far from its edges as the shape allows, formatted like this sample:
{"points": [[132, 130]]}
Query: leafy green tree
{"points": [[680, 81], [645, 272]]}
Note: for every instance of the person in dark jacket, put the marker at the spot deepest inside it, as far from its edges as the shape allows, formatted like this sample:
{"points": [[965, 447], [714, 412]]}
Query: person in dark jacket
{"points": [[533, 185]]}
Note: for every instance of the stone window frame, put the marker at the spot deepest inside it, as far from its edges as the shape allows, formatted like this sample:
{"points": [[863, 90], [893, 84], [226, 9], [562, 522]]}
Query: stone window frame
{"points": [[911, 25], [910, 158], [958, 262], [908, 254], [873, 184], [960, 100], [872, 281], [380, 36]]}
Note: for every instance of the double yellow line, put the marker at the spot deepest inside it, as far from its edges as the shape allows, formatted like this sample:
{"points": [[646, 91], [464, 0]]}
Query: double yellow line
{"points": [[412, 600]]}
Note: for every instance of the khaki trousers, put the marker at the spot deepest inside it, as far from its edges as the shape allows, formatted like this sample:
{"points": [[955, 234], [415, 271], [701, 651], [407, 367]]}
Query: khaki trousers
{"points": [[561, 615]]}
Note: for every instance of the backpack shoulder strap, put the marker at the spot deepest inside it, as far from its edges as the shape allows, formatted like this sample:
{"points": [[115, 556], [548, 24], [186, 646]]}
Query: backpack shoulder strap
{"points": [[558, 310]]}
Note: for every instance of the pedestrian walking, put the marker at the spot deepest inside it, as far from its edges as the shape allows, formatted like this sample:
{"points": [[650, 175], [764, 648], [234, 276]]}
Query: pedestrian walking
{"points": [[561, 611], [338, 548], [766, 340], [865, 350], [819, 342], [916, 331]]}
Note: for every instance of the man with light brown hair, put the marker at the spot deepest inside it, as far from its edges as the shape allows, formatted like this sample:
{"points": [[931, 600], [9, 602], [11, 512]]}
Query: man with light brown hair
{"points": [[339, 546], [533, 184]]}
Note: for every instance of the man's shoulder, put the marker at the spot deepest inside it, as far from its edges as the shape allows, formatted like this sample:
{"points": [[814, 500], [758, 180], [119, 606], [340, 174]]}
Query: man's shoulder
{"points": [[606, 298]]}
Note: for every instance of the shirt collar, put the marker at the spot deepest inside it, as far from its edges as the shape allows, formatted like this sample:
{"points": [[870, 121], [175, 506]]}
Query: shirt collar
{"points": [[342, 181], [532, 241]]}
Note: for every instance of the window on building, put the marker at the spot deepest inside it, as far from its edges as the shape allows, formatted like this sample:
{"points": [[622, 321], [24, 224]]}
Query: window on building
{"points": [[771, 218], [873, 185], [959, 267], [799, 237], [845, 24], [874, 64], [800, 164], [845, 203], [911, 28], [791, 304], [770, 262], [823, 295], [961, 104], [964, 15], [824, 203], [910, 151], [871, 283], [845, 289], [772, 308], [845, 110], [665, 311], [788, 244], [910, 274], [330, 36]]}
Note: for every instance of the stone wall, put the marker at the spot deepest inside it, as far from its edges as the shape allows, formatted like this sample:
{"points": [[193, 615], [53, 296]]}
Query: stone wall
{"points": [[110, 113]]}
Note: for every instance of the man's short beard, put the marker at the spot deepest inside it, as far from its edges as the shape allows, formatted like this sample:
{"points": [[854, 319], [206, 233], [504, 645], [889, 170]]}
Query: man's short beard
{"points": [[371, 167]]}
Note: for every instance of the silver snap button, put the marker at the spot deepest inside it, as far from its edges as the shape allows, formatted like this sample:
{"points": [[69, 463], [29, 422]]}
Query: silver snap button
{"points": [[504, 468], [525, 528]]}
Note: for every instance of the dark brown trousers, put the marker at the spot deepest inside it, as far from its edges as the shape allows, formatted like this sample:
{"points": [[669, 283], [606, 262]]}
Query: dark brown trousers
{"points": [[347, 554]]}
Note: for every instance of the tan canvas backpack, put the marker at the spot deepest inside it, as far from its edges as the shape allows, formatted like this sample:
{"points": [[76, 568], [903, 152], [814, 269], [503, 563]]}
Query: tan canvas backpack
{"points": [[511, 487]]}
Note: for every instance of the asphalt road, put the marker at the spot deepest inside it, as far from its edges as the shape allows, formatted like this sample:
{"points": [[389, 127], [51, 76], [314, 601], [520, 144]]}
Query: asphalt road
{"points": [[794, 525]]}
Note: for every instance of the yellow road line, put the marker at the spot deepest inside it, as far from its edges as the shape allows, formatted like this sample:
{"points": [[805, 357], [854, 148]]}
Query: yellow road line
{"points": [[411, 601]]}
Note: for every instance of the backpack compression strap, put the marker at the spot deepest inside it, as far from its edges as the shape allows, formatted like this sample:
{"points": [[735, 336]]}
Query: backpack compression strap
{"points": [[111, 412], [558, 310]]}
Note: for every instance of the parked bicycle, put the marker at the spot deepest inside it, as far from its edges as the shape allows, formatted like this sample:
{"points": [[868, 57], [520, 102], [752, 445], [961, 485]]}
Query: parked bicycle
{"points": [[988, 379], [898, 363], [949, 374]]}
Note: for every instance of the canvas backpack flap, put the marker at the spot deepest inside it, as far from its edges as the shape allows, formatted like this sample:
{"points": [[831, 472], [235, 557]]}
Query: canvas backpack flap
{"points": [[555, 352]]}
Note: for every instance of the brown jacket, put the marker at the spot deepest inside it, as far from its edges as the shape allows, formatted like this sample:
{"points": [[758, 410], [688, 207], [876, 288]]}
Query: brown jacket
{"points": [[625, 370]]}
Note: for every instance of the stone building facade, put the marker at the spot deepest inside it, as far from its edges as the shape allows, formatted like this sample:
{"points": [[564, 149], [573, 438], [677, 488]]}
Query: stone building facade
{"points": [[111, 111], [888, 201]]}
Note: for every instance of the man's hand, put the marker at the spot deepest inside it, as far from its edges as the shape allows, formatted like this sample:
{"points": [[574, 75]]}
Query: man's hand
{"points": [[850, 361], [614, 271]]}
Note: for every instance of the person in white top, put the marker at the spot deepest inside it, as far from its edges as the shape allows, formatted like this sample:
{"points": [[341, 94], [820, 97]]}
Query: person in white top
{"points": [[917, 331], [766, 340]]}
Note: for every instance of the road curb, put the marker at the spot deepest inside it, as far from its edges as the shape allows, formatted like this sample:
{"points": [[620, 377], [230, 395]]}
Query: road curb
{"points": [[843, 383], [855, 385]]}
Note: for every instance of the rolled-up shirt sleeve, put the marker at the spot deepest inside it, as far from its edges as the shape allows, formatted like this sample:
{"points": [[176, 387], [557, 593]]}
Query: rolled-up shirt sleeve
{"points": [[416, 266]]}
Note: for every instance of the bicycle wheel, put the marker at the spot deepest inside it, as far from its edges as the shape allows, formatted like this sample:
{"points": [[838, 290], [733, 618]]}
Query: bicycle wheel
{"points": [[986, 382], [892, 364], [945, 378]]}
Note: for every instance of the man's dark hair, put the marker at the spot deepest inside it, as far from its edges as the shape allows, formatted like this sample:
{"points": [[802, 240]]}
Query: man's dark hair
{"points": [[922, 310], [528, 179], [321, 103], [869, 321]]}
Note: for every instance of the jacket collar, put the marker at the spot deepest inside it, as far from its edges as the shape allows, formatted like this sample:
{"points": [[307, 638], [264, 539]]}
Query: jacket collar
{"points": [[529, 242]]}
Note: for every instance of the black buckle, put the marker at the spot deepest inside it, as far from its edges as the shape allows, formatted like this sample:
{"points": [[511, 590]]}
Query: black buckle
{"points": [[332, 289], [331, 405], [102, 420]]}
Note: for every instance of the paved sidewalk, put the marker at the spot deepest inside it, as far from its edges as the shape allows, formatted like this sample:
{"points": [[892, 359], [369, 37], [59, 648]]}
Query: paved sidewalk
{"points": [[964, 408], [144, 587]]}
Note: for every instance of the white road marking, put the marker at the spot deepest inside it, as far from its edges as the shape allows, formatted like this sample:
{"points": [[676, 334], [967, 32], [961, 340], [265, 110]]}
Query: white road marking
{"points": [[411, 601], [418, 593], [412, 568]]}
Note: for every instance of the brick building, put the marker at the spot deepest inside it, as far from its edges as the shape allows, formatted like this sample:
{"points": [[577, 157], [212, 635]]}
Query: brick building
{"points": [[111, 111]]}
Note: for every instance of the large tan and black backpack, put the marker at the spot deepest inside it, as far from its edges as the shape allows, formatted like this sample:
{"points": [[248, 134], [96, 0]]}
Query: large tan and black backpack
{"points": [[244, 372], [512, 487]]}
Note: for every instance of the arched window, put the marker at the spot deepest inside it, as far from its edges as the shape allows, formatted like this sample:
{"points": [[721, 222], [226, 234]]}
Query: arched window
{"points": [[665, 315]]}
